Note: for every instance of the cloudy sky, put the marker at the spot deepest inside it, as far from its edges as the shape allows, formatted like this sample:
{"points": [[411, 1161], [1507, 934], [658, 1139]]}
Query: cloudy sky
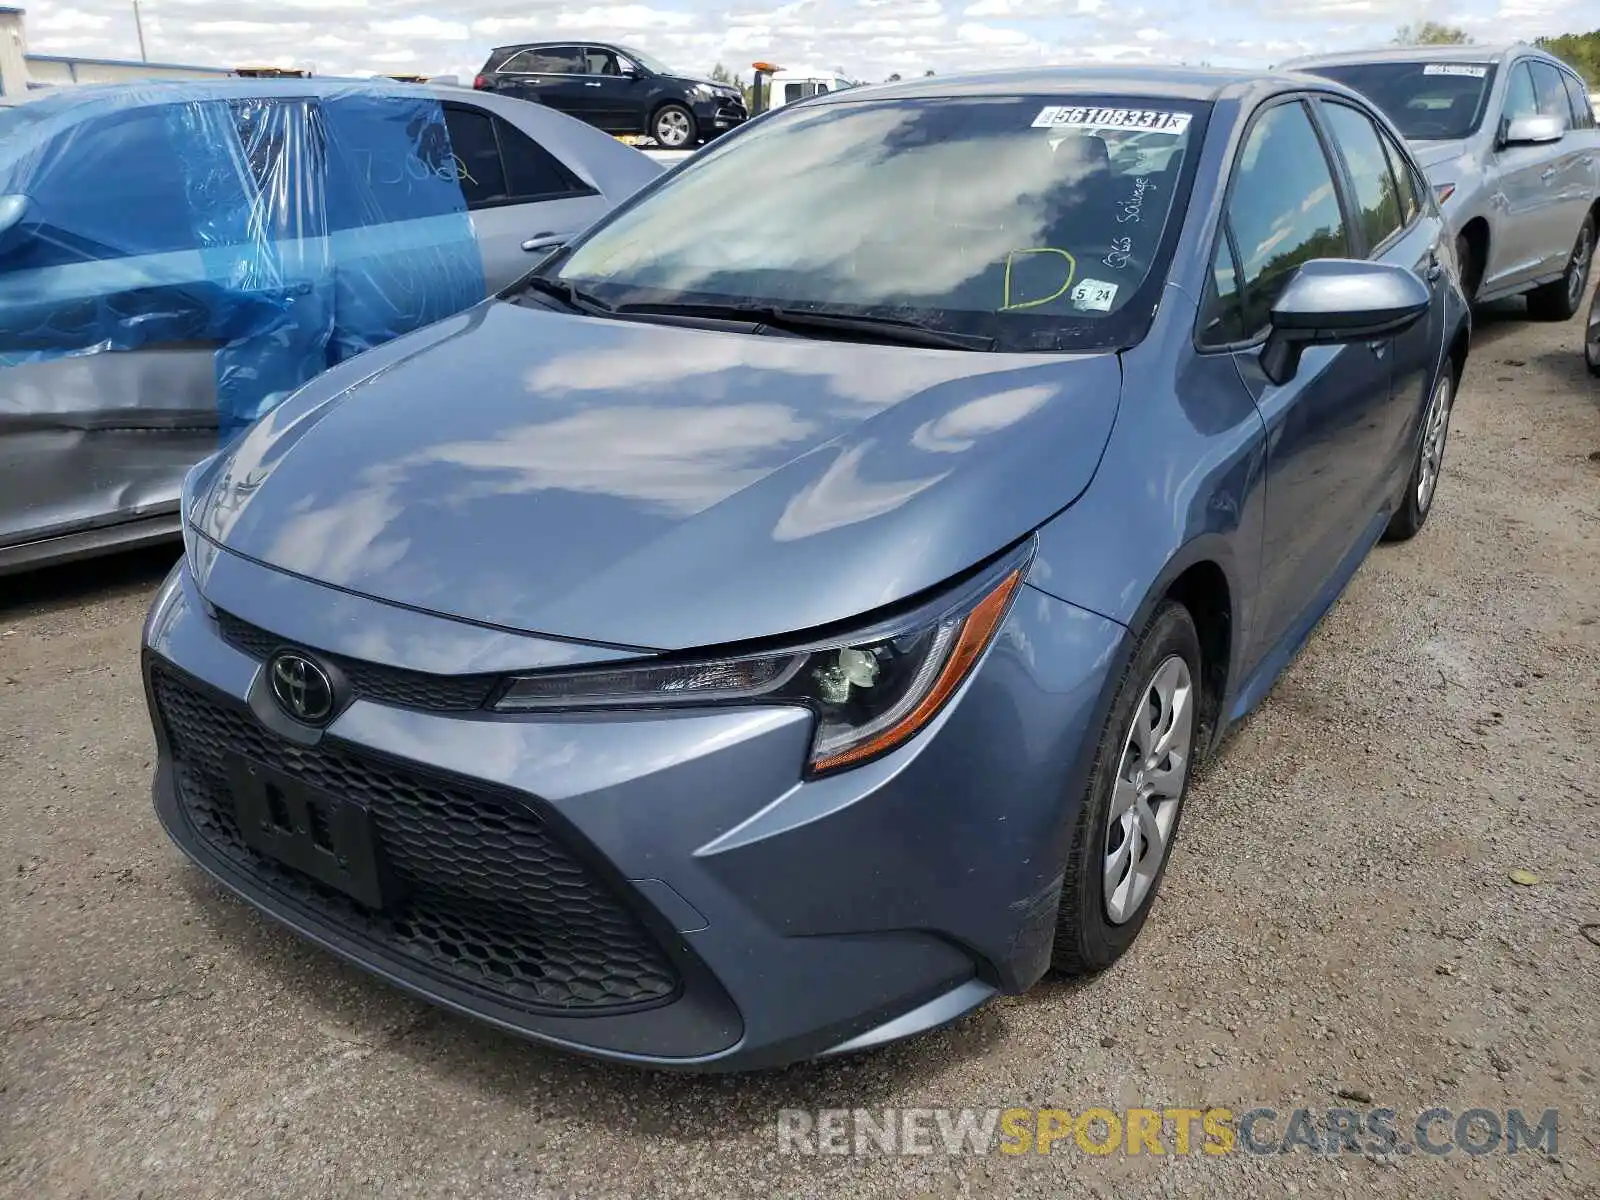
{"points": [[867, 39]]}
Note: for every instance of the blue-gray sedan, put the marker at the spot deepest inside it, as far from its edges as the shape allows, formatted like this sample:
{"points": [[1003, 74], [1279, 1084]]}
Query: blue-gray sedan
{"points": [[791, 616]]}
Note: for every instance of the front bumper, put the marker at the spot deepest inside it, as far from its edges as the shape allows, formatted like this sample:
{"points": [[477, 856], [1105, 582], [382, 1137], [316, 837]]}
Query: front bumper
{"points": [[696, 903], [719, 114]]}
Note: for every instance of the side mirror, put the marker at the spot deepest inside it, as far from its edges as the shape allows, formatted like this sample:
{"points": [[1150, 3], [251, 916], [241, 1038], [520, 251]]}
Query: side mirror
{"points": [[13, 209], [1332, 301], [1533, 131]]}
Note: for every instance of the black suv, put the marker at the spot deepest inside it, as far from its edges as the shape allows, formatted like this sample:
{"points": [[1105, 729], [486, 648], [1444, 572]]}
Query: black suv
{"points": [[615, 89]]}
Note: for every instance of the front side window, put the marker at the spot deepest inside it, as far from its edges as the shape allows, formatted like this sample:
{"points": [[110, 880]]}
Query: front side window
{"points": [[1552, 93], [1427, 101], [600, 62], [1376, 192], [999, 216], [1521, 99], [1283, 211]]}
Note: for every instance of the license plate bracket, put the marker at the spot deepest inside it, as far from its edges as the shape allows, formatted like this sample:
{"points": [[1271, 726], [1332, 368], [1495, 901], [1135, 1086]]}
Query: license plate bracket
{"points": [[310, 830]]}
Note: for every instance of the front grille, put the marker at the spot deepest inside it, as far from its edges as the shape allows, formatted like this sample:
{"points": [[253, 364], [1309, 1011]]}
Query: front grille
{"points": [[372, 681], [492, 901]]}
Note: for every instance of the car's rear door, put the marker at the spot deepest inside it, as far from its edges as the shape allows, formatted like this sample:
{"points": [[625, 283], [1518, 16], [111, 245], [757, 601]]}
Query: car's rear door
{"points": [[548, 75], [1325, 426], [1567, 173], [516, 191], [1394, 225]]}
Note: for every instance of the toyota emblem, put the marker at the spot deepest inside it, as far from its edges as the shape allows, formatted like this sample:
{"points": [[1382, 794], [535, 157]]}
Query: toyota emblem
{"points": [[301, 688]]}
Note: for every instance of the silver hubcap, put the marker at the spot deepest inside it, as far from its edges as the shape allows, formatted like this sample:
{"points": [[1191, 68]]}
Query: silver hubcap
{"points": [[1579, 274], [672, 128], [1148, 788], [1433, 439]]}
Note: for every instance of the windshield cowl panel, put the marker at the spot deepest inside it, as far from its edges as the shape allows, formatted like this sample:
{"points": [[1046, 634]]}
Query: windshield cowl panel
{"points": [[1042, 223]]}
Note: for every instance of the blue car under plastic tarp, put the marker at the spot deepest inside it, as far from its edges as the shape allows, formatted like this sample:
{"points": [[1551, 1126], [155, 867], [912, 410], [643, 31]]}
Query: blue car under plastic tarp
{"points": [[181, 265]]}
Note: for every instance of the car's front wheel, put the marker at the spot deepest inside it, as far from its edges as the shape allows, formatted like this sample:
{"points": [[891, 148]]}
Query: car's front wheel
{"points": [[1423, 481], [1129, 816], [1559, 300], [673, 127]]}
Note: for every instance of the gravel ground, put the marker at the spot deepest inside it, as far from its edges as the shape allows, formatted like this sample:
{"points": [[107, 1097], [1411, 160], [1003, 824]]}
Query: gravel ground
{"points": [[1337, 917]]}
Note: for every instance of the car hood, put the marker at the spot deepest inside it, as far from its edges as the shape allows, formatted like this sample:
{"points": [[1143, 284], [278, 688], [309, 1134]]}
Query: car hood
{"points": [[1435, 154], [656, 486]]}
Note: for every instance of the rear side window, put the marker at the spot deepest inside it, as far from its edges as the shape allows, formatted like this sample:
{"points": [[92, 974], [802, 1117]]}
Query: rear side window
{"points": [[1521, 101], [1376, 192], [548, 60], [497, 163], [1283, 210], [1578, 98], [1552, 93], [134, 153], [1410, 197]]}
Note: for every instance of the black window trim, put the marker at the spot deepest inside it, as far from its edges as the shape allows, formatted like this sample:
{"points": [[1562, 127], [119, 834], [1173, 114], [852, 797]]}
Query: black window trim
{"points": [[495, 120], [1306, 99], [1358, 242]]}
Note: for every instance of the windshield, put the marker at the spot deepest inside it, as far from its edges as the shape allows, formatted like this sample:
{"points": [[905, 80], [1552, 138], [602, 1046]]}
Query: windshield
{"points": [[1433, 101], [1016, 218], [649, 62]]}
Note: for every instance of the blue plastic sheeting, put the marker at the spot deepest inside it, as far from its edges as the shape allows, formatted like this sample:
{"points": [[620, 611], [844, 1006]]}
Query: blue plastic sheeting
{"points": [[283, 233]]}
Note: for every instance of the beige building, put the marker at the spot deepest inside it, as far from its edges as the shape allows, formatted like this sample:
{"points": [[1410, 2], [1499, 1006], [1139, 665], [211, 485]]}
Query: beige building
{"points": [[21, 72]]}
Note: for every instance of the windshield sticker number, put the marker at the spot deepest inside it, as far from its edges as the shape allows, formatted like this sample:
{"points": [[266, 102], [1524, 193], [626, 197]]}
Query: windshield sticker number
{"points": [[1094, 295], [1121, 252], [1061, 116], [1470, 72], [1014, 289]]}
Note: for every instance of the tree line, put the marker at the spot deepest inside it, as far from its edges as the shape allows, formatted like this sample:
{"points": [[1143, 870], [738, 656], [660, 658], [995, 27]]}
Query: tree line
{"points": [[1580, 51]]}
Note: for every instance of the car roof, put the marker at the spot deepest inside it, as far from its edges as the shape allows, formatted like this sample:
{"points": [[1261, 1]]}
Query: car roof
{"points": [[1155, 83], [1468, 53], [176, 91]]}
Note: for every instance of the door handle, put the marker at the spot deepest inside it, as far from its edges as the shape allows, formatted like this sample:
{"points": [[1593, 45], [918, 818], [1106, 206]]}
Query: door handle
{"points": [[591, 85], [1547, 174], [1435, 272], [548, 240], [1379, 348]]}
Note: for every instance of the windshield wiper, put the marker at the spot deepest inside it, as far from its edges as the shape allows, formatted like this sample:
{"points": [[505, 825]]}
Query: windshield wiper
{"points": [[578, 301], [893, 330]]}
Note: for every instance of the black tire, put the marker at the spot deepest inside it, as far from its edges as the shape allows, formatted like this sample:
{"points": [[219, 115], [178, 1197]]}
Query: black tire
{"points": [[1411, 512], [1591, 338], [1086, 938], [1559, 300], [668, 126], [1471, 268]]}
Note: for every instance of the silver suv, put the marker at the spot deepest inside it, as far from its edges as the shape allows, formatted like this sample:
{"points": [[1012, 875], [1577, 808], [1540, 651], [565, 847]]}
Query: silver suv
{"points": [[1510, 144]]}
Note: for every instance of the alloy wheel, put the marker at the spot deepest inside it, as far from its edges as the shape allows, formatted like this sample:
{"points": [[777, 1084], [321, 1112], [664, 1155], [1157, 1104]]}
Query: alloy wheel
{"points": [[1436, 432], [1148, 788], [1578, 274], [672, 128]]}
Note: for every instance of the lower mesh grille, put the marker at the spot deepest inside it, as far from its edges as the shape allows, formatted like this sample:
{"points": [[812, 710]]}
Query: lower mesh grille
{"points": [[491, 901]]}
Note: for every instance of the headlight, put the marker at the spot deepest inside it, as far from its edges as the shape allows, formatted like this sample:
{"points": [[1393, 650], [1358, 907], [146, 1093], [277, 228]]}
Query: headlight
{"points": [[702, 92], [1443, 191], [870, 693]]}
